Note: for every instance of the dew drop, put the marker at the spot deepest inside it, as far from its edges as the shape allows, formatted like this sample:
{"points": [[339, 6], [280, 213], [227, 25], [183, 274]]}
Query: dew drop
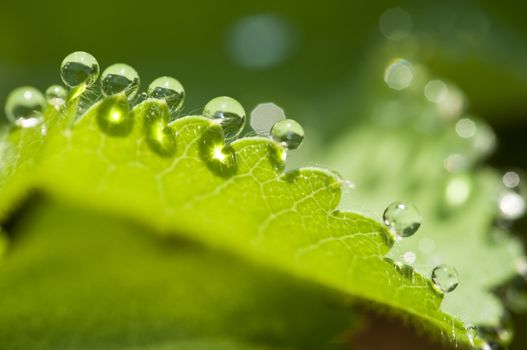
{"points": [[219, 158], [288, 133], [403, 218], [24, 106], [79, 68], [159, 136], [228, 112], [445, 278], [120, 78], [56, 95], [170, 90], [113, 116]]}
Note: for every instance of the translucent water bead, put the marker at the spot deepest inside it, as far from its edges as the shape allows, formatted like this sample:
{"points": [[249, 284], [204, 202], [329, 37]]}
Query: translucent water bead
{"points": [[24, 106], [120, 78], [168, 89], [228, 112], [288, 133], [403, 218], [79, 68]]}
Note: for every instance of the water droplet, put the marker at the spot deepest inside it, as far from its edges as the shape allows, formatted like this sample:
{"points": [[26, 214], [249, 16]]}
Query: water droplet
{"points": [[511, 179], [56, 95], [114, 117], [119, 78], [445, 278], [399, 74], [228, 112], [264, 116], [472, 333], [403, 218], [24, 106], [170, 90], [511, 205], [219, 158], [436, 91], [288, 133], [159, 136], [79, 68], [396, 24]]}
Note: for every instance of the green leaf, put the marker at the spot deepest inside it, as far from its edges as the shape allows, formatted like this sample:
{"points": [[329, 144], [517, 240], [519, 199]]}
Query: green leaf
{"points": [[181, 178], [95, 282]]}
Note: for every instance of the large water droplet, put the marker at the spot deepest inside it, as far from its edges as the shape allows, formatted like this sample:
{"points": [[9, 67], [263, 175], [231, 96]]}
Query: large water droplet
{"points": [[403, 218], [228, 112], [24, 106], [120, 78], [288, 133], [170, 90], [159, 136], [79, 68], [114, 117], [445, 278], [56, 95], [219, 158]]}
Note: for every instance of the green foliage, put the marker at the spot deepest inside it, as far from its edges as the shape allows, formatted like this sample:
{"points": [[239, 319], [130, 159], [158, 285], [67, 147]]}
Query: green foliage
{"points": [[180, 178]]}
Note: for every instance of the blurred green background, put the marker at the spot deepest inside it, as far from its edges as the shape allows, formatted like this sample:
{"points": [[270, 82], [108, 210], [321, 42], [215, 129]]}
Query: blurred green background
{"points": [[318, 61]]}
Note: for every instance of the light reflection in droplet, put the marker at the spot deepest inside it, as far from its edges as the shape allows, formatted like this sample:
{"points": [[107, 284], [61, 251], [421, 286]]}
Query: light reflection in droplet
{"points": [[436, 91], [396, 24], [260, 41], [511, 179], [399, 74], [264, 116], [511, 205], [466, 128]]}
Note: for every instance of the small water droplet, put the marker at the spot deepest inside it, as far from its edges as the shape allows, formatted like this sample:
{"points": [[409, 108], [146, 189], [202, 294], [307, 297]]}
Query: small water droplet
{"points": [[120, 78], [113, 116], [445, 278], [288, 133], [399, 74], [228, 112], [24, 106], [472, 333], [403, 218], [56, 95], [159, 136], [79, 68], [219, 158], [170, 90]]}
